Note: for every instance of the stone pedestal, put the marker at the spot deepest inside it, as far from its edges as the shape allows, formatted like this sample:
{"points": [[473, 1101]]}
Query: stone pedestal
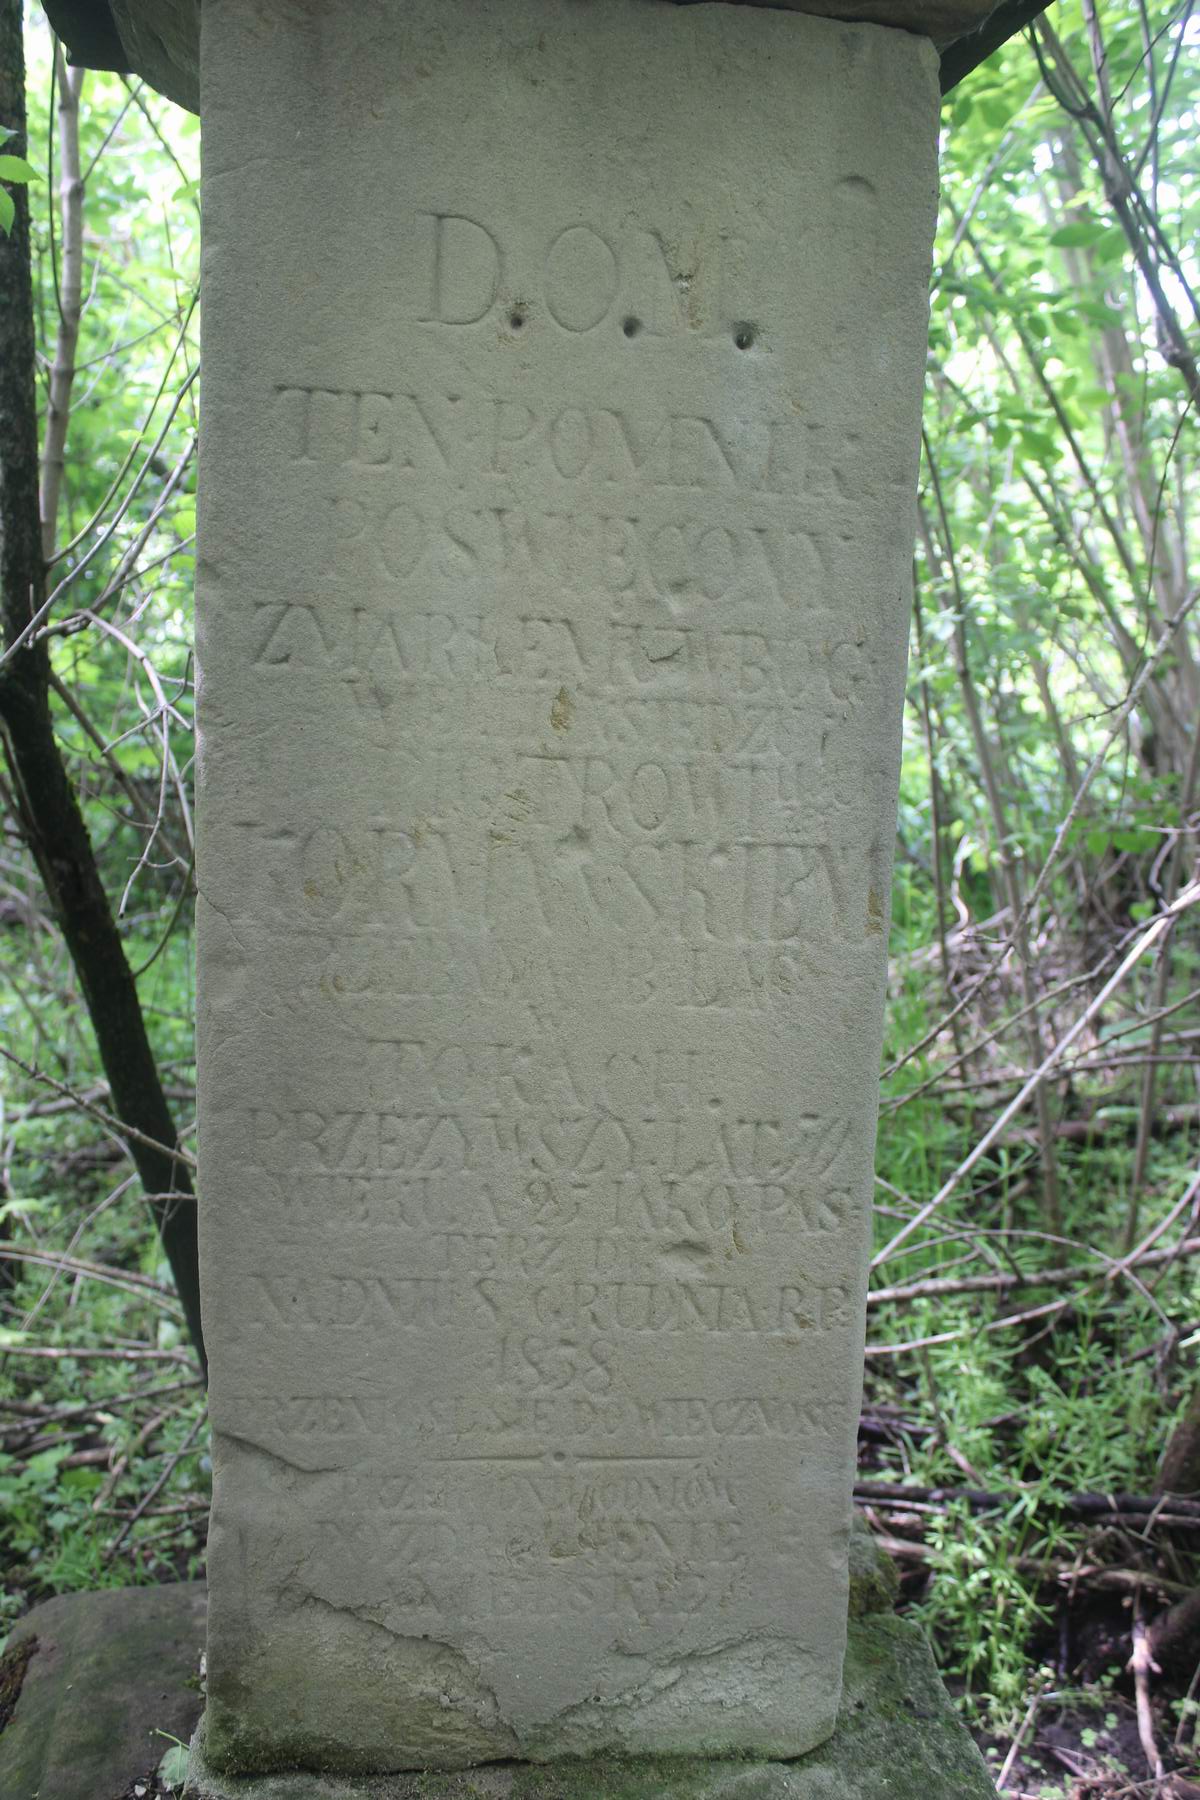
{"points": [[562, 373]]}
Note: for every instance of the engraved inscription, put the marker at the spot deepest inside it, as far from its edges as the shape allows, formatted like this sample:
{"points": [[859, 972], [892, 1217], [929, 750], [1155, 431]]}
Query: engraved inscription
{"points": [[470, 435], [577, 274]]}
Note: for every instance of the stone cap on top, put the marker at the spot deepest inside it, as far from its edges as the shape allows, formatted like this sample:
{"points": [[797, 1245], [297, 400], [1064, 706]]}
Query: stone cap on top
{"points": [[160, 39]]}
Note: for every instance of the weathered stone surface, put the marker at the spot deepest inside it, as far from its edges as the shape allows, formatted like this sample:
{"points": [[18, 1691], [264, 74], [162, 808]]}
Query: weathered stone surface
{"points": [[161, 38], [562, 385], [898, 1738], [111, 1671]]}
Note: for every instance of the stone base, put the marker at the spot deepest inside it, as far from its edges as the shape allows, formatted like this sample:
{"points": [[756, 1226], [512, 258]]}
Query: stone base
{"points": [[898, 1738]]}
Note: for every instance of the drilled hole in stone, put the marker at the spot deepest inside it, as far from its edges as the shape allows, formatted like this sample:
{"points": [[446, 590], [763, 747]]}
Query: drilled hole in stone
{"points": [[516, 320], [631, 327], [743, 336]]}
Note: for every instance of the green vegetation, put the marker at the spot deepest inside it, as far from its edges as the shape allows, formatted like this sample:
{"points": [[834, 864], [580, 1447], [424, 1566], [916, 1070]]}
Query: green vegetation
{"points": [[99, 1393], [1033, 1334]]}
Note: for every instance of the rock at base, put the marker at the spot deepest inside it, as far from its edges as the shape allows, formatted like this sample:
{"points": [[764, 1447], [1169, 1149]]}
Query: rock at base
{"points": [[110, 1672]]}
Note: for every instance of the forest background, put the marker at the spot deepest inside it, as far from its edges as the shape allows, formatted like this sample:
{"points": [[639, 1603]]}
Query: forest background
{"points": [[1030, 1442]]}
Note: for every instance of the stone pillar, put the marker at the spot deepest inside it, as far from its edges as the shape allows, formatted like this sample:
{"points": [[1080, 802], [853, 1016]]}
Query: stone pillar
{"points": [[562, 372]]}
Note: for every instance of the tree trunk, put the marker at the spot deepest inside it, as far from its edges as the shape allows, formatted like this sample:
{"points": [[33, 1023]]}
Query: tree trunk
{"points": [[70, 300]]}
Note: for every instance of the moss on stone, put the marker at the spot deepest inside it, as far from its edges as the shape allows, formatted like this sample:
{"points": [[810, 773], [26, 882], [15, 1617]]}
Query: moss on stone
{"points": [[111, 1670], [411, 1697], [874, 1583], [13, 1665]]}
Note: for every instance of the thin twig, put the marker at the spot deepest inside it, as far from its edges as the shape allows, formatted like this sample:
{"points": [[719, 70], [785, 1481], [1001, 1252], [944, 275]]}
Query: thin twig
{"points": [[121, 1131], [1142, 1666], [152, 1494]]}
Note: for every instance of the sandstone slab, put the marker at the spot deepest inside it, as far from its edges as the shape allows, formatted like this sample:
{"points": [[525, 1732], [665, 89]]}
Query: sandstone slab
{"points": [[110, 1672], [562, 389]]}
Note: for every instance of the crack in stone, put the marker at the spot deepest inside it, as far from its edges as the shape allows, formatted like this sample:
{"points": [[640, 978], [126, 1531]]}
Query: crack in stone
{"points": [[249, 1443]]}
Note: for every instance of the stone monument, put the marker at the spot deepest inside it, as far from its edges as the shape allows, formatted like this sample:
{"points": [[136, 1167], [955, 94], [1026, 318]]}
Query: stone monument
{"points": [[562, 383]]}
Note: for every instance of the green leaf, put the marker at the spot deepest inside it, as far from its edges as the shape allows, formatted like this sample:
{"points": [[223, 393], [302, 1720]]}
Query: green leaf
{"points": [[83, 1481], [1041, 445], [1099, 313], [15, 168], [1079, 232], [8, 212], [172, 1770], [21, 1207], [1110, 246], [1093, 397], [996, 111], [46, 1461]]}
